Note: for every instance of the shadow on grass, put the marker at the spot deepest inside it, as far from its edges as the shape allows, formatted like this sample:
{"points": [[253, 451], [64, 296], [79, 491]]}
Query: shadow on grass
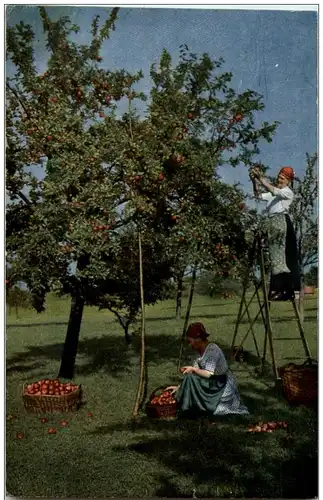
{"points": [[227, 461], [108, 353], [192, 316], [32, 325], [198, 306]]}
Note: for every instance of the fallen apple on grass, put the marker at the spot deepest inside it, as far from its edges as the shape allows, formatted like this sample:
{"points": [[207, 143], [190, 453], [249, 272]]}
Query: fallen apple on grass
{"points": [[267, 427]]}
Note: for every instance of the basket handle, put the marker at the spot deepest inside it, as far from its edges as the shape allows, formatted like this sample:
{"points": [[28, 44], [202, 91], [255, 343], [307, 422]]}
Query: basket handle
{"points": [[153, 394]]}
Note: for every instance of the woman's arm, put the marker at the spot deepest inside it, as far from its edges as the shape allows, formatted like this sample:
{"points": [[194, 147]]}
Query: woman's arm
{"points": [[285, 194], [255, 186], [198, 371]]}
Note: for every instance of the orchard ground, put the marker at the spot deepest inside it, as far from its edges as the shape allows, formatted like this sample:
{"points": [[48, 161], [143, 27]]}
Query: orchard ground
{"points": [[106, 455]]}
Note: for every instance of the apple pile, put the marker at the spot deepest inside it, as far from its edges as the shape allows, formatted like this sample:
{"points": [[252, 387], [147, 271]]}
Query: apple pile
{"points": [[267, 427], [50, 388], [166, 398]]}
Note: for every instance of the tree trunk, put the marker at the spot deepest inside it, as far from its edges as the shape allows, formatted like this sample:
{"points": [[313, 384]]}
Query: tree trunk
{"points": [[72, 337], [143, 371], [125, 323], [188, 311], [179, 294]]}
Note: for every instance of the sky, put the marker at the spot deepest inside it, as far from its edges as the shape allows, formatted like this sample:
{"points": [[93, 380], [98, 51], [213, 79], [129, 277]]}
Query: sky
{"points": [[271, 52]]}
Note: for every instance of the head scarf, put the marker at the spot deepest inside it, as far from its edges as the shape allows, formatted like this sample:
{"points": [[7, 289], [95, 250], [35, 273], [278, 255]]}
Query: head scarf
{"points": [[197, 330], [288, 172]]}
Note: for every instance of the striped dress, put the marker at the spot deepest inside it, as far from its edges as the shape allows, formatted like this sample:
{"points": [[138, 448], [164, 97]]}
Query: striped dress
{"points": [[213, 360]]}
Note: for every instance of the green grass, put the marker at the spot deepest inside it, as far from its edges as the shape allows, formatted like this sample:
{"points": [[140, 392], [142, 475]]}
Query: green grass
{"points": [[110, 456]]}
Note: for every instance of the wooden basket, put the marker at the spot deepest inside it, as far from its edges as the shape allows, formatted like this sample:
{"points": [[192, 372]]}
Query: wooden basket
{"points": [[163, 412], [50, 403], [300, 383]]}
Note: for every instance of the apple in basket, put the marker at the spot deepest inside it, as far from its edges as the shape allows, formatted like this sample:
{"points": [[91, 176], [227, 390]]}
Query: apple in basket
{"points": [[165, 398], [50, 388]]}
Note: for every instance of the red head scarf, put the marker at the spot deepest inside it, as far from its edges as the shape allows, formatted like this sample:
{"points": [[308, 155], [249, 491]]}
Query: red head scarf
{"points": [[197, 330], [288, 172]]}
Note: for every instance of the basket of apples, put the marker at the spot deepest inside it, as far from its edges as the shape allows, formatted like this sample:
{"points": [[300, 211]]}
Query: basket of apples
{"points": [[162, 404], [47, 396]]}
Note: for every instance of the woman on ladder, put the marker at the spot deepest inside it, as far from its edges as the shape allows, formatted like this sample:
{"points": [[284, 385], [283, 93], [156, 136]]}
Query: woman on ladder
{"points": [[283, 252]]}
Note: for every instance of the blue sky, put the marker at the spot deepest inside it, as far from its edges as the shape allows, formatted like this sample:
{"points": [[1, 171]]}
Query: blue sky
{"points": [[271, 52]]}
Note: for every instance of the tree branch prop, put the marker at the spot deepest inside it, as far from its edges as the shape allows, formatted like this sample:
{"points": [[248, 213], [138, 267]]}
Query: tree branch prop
{"points": [[188, 310], [143, 340]]}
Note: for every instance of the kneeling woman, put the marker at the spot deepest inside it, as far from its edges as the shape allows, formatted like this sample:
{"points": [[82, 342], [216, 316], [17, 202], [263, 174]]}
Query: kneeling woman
{"points": [[208, 386]]}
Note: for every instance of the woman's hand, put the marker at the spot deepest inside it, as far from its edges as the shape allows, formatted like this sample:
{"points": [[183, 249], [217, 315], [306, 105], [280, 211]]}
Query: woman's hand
{"points": [[187, 369], [172, 389], [255, 173]]}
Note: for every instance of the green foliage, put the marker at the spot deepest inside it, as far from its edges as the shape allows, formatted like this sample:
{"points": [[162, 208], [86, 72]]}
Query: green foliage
{"points": [[304, 212], [311, 277], [213, 285], [18, 298], [107, 177]]}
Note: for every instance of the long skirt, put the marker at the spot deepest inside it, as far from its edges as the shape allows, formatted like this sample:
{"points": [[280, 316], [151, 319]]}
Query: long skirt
{"points": [[283, 254], [217, 395]]}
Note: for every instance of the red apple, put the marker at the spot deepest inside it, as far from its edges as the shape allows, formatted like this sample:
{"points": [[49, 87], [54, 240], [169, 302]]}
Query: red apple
{"points": [[161, 177], [30, 131], [51, 430], [19, 435], [90, 414], [107, 99], [185, 130], [238, 117], [190, 116], [64, 423], [49, 137], [102, 115], [44, 420], [54, 99]]}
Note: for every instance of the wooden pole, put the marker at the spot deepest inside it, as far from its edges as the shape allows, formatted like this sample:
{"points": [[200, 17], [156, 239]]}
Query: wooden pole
{"points": [[301, 330], [244, 290], [269, 331], [143, 340], [188, 311]]}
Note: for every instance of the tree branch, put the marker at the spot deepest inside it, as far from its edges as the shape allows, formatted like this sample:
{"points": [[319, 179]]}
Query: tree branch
{"points": [[18, 99]]}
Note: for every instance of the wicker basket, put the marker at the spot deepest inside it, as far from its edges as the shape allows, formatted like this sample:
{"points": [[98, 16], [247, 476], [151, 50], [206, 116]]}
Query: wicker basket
{"points": [[300, 383], [162, 412], [50, 403]]}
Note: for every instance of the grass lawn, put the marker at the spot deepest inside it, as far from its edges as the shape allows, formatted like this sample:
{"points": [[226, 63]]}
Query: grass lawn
{"points": [[108, 456]]}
